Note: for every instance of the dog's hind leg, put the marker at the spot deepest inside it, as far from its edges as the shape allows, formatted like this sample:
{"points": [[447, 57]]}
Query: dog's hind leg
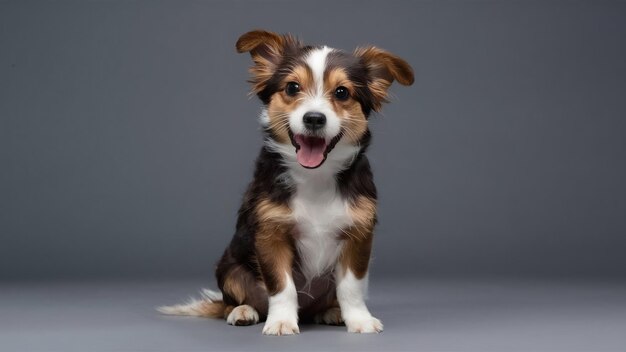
{"points": [[246, 294], [331, 316], [243, 315]]}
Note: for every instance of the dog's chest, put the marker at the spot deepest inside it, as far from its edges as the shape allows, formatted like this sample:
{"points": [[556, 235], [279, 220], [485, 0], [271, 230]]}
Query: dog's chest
{"points": [[320, 213]]}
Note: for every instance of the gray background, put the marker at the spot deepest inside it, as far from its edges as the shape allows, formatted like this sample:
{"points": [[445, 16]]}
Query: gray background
{"points": [[127, 137]]}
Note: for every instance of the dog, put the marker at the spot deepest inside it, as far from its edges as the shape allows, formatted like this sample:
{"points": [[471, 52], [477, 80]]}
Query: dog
{"points": [[304, 231]]}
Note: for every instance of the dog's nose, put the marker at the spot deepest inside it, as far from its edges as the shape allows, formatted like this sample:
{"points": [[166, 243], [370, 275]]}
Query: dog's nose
{"points": [[314, 120]]}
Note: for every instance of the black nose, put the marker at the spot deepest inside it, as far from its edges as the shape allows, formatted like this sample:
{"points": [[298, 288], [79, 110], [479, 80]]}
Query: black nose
{"points": [[314, 120]]}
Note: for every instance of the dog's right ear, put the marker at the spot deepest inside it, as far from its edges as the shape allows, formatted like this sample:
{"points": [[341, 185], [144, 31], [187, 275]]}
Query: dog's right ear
{"points": [[267, 50]]}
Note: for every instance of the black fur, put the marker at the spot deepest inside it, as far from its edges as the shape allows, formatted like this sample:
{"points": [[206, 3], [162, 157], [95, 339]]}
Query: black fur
{"points": [[355, 68], [354, 181], [293, 56], [358, 73]]}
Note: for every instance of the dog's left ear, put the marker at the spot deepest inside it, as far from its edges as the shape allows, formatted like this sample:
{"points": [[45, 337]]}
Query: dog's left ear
{"points": [[384, 68], [267, 50]]}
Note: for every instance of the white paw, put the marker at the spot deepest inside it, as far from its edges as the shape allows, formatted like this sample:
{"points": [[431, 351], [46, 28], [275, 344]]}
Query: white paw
{"points": [[243, 315], [364, 325], [281, 327]]}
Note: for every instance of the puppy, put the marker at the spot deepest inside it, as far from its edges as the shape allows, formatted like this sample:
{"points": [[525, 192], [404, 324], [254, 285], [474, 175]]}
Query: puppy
{"points": [[304, 233]]}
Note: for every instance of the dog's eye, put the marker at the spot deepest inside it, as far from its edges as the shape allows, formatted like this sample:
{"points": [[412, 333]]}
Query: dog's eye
{"points": [[342, 93], [292, 89]]}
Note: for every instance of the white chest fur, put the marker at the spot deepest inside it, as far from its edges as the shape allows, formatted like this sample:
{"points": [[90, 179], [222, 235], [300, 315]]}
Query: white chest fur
{"points": [[320, 213], [319, 210]]}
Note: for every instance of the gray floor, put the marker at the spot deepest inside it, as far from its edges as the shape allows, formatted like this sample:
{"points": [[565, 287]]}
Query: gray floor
{"points": [[420, 315]]}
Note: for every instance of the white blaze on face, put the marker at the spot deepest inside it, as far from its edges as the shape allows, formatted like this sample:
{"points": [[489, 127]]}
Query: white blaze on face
{"points": [[316, 60], [315, 100], [312, 148]]}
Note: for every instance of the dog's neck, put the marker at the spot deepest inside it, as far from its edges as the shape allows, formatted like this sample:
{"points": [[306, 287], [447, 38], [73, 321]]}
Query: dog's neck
{"points": [[339, 159], [323, 176]]}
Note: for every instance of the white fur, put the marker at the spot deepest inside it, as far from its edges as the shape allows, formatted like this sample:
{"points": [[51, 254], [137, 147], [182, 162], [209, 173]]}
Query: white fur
{"points": [[351, 294], [193, 306], [243, 313], [320, 214], [316, 60], [319, 210], [264, 118], [316, 100], [338, 159], [282, 315]]}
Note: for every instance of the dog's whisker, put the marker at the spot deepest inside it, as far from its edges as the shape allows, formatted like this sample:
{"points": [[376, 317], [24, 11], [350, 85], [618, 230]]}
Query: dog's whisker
{"points": [[307, 218]]}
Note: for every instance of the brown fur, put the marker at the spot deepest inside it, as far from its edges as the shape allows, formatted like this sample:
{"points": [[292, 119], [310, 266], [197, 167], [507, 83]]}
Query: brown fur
{"points": [[282, 104], [363, 211], [273, 213], [266, 49], [353, 121], [384, 67], [302, 75], [355, 254], [241, 287], [275, 254], [274, 244], [235, 286], [227, 310], [331, 316], [263, 252]]}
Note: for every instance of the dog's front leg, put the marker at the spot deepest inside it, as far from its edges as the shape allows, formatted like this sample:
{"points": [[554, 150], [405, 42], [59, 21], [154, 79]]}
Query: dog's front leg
{"points": [[274, 248], [351, 279]]}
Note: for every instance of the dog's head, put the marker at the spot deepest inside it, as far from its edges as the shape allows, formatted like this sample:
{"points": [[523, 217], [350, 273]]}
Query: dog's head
{"points": [[316, 97]]}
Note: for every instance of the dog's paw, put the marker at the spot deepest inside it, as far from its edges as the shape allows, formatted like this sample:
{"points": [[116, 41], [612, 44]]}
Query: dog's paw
{"points": [[364, 325], [281, 327], [243, 315], [332, 316]]}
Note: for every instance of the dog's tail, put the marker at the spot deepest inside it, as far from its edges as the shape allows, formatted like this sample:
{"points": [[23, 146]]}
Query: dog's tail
{"points": [[210, 305]]}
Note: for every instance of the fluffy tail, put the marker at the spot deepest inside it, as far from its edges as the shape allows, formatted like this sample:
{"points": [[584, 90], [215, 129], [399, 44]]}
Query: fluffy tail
{"points": [[210, 305]]}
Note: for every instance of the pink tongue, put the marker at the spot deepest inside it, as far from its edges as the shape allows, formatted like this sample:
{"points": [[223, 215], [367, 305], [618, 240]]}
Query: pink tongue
{"points": [[311, 152]]}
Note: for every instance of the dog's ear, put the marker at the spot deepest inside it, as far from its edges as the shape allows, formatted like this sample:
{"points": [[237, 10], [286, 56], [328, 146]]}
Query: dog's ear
{"points": [[267, 50], [383, 68]]}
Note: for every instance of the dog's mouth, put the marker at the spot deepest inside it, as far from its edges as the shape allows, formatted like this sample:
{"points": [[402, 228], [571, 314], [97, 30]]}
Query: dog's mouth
{"points": [[311, 151]]}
